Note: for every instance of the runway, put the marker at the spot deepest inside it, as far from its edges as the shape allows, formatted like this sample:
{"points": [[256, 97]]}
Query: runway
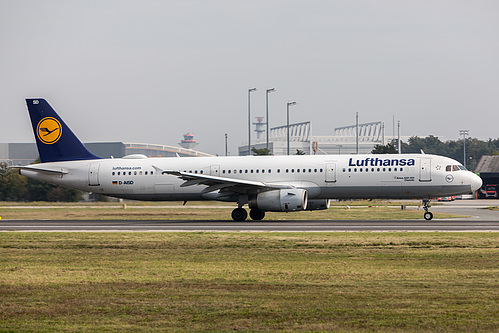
{"points": [[262, 226]]}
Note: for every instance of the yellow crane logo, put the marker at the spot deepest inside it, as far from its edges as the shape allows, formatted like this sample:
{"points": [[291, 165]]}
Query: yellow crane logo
{"points": [[49, 130]]}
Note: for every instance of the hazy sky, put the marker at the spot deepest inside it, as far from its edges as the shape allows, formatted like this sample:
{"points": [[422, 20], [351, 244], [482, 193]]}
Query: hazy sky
{"points": [[150, 71]]}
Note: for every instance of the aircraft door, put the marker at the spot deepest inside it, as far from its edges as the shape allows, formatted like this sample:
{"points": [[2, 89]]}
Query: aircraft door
{"points": [[330, 172], [215, 170], [93, 174], [425, 169]]}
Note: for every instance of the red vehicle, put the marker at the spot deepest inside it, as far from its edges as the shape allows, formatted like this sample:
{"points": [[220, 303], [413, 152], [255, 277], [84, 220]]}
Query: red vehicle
{"points": [[489, 191], [452, 198]]}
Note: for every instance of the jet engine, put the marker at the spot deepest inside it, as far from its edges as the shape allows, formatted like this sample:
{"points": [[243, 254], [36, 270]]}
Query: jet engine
{"points": [[318, 204], [287, 200]]}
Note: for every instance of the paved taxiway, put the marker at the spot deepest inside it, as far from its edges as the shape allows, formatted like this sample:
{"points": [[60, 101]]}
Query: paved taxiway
{"points": [[291, 225]]}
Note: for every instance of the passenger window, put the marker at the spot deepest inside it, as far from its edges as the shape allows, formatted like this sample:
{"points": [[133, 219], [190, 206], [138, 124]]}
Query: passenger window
{"points": [[257, 171], [349, 169], [354, 169], [320, 170], [246, 171], [228, 171], [389, 169], [240, 171], [292, 170], [263, 170], [223, 171], [129, 173], [360, 170], [151, 173], [270, 170], [315, 170], [113, 173], [344, 169], [384, 169], [298, 170], [146, 173], [278, 170]]}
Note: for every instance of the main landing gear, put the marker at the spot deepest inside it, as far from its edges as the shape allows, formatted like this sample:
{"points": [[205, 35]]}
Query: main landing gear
{"points": [[240, 214], [426, 206]]}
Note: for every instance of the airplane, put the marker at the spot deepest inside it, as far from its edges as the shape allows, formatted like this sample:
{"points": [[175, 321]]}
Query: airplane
{"points": [[264, 183]]}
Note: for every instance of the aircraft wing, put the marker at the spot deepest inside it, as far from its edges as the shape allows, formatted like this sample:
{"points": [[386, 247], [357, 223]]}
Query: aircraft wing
{"points": [[214, 183]]}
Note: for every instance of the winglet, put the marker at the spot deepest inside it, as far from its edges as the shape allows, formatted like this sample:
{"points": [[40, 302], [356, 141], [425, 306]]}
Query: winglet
{"points": [[54, 139]]}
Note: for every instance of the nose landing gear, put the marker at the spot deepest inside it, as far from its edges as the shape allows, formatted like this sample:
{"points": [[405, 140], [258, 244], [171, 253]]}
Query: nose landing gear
{"points": [[426, 206]]}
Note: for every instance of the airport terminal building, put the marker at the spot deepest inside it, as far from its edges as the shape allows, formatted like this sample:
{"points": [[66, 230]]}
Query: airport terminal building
{"points": [[17, 154], [344, 140]]}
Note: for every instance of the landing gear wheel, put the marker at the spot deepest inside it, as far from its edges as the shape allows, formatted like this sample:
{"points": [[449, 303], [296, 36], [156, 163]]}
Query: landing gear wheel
{"points": [[239, 214], [257, 214], [426, 206]]}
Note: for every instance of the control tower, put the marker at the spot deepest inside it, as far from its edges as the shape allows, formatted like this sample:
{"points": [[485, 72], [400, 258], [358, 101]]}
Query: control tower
{"points": [[188, 142], [259, 127]]}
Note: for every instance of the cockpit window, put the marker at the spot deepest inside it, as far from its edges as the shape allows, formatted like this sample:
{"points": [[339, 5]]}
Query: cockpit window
{"points": [[449, 168]]}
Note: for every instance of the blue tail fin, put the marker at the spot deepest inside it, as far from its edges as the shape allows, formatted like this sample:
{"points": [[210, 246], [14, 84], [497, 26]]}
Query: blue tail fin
{"points": [[55, 141]]}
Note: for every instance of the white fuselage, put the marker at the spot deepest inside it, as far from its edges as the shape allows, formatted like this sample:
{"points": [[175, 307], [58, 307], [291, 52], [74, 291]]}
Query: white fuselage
{"points": [[322, 176]]}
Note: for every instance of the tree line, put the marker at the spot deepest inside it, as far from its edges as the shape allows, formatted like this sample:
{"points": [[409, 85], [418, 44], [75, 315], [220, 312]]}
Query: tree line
{"points": [[14, 187], [475, 148]]}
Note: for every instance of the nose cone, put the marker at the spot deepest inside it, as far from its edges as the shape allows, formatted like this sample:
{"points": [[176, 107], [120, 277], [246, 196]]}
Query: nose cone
{"points": [[476, 182]]}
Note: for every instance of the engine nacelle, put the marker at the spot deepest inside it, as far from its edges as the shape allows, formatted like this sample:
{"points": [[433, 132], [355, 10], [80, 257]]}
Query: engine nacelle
{"points": [[318, 204], [288, 200]]}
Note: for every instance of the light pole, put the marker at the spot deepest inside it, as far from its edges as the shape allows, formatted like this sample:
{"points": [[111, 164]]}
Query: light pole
{"points": [[249, 120], [225, 144], [399, 143], [464, 133], [287, 118], [267, 112], [357, 133]]}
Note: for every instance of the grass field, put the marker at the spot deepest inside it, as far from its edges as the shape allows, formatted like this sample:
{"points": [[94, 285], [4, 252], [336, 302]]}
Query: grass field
{"points": [[340, 282], [203, 211]]}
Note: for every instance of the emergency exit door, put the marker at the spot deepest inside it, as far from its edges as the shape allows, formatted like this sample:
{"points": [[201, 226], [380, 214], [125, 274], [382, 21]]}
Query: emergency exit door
{"points": [[331, 172]]}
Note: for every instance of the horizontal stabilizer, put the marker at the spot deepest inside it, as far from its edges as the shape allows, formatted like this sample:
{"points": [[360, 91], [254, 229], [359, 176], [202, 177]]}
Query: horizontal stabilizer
{"points": [[57, 171]]}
